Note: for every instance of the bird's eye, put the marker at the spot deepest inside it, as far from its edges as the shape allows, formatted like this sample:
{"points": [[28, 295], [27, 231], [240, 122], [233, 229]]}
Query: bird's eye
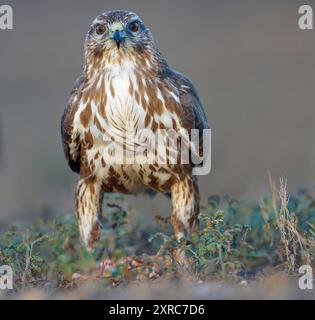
{"points": [[134, 26], [100, 29]]}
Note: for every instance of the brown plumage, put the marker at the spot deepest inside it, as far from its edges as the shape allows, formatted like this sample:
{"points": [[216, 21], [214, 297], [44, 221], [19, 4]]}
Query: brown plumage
{"points": [[127, 86]]}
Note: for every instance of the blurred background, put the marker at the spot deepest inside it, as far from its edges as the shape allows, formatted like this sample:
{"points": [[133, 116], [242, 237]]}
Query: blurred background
{"points": [[253, 67]]}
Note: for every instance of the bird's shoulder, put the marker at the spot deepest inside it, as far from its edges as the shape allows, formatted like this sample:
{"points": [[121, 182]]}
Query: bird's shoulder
{"points": [[72, 104], [71, 145], [193, 113]]}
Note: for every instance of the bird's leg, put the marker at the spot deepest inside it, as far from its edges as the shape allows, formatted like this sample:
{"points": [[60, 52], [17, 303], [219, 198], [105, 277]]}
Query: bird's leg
{"points": [[89, 198], [185, 206]]}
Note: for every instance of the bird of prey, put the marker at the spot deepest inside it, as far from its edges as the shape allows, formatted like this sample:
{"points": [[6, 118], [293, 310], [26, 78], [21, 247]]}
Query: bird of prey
{"points": [[126, 83]]}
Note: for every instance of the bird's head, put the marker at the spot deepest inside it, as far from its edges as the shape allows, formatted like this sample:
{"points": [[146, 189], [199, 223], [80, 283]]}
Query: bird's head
{"points": [[117, 33]]}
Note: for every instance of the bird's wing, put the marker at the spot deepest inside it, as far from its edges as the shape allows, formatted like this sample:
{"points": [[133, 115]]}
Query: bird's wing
{"points": [[192, 115], [70, 140]]}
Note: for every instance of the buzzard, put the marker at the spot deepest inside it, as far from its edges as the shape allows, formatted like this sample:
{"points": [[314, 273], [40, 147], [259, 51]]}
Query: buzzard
{"points": [[126, 85]]}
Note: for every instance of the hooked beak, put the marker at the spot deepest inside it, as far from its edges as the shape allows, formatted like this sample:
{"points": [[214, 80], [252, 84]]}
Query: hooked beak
{"points": [[118, 37]]}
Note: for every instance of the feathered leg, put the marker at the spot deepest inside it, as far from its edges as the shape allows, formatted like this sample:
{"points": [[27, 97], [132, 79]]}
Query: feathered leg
{"points": [[89, 198], [185, 205]]}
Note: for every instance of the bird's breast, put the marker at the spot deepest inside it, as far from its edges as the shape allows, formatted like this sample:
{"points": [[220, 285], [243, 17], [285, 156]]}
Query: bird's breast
{"points": [[111, 107], [123, 110], [120, 102]]}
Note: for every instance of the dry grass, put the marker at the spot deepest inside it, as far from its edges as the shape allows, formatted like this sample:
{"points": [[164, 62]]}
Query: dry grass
{"points": [[295, 245]]}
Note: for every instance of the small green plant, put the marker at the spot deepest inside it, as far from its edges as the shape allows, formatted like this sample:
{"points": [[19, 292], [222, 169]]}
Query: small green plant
{"points": [[21, 251]]}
